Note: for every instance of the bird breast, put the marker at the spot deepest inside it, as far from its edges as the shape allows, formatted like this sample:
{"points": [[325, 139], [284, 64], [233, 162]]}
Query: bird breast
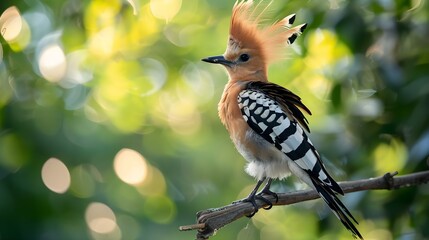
{"points": [[264, 159]]}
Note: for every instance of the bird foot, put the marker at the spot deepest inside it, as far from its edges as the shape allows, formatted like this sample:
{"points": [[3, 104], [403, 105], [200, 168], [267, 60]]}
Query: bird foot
{"points": [[252, 200], [270, 193]]}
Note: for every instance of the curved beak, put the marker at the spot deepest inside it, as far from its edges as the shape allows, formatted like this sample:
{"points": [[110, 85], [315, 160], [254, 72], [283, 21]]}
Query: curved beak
{"points": [[218, 60]]}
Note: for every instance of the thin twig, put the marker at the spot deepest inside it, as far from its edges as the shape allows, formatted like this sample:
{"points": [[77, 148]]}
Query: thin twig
{"points": [[210, 220], [192, 227]]}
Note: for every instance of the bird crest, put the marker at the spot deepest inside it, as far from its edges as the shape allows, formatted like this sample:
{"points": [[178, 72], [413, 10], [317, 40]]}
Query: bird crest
{"points": [[246, 31]]}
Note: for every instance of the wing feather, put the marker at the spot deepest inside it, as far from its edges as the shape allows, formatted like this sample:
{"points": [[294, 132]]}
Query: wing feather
{"points": [[274, 112], [290, 102], [280, 127]]}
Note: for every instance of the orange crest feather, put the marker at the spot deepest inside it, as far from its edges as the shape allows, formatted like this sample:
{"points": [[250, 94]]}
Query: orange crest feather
{"points": [[246, 32]]}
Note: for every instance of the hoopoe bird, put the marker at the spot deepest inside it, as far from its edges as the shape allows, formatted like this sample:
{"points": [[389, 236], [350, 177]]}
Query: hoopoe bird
{"points": [[264, 119]]}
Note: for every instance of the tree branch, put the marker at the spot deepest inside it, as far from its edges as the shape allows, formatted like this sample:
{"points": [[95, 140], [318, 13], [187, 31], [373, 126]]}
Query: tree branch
{"points": [[210, 220]]}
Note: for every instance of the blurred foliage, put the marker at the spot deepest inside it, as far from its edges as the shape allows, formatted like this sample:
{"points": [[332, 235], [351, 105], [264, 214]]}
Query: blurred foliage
{"points": [[109, 128]]}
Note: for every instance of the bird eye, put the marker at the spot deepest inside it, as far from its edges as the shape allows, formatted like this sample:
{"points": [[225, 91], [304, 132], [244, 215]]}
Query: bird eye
{"points": [[244, 57]]}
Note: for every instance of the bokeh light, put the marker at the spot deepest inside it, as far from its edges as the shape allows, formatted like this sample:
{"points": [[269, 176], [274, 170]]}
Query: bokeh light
{"points": [[292, 217], [52, 63], [327, 56], [55, 175], [76, 74], [122, 86], [379, 234], [100, 218], [15, 29], [132, 226], [130, 166], [324, 48], [183, 116], [370, 108], [160, 209], [165, 9], [154, 73], [390, 156], [1, 54], [199, 80], [134, 5], [101, 43], [11, 24], [154, 184], [12, 158], [83, 181]]}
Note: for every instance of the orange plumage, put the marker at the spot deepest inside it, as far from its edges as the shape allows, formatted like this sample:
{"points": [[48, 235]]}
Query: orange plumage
{"points": [[247, 32]]}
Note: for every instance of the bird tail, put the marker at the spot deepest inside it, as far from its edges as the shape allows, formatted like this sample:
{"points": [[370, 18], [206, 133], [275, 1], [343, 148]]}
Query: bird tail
{"points": [[337, 207]]}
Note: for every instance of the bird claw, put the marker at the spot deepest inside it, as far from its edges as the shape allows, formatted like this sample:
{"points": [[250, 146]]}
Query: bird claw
{"points": [[252, 200], [270, 193], [270, 204], [253, 196], [253, 213]]}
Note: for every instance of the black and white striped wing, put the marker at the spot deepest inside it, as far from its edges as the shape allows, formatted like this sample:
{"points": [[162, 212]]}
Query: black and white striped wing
{"points": [[273, 112], [278, 125]]}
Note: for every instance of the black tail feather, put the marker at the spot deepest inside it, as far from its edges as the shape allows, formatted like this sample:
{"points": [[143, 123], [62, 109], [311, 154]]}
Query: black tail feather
{"points": [[337, 207]]}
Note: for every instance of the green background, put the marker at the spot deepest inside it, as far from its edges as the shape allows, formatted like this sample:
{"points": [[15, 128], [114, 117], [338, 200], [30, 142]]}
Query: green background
{"points": [[127, 75]]}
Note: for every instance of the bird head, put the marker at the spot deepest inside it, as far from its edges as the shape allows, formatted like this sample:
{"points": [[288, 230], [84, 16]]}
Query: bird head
{"points": [[250, 47]]}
